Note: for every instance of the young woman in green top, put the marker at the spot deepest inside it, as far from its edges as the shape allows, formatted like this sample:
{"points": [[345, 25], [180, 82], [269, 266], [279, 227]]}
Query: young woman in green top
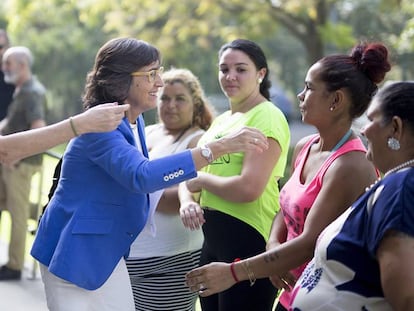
{"points": [[239, 193]]}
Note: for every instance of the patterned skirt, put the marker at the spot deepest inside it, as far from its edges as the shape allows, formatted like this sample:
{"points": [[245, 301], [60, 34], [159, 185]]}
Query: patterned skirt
{"points": [[158, 283]]}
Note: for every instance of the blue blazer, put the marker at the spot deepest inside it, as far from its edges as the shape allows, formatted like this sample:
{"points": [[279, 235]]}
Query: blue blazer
{"points": [[101, 203]]}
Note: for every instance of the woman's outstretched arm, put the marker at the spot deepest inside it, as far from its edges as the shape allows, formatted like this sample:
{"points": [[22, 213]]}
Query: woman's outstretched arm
{"points": [[101, 118]]}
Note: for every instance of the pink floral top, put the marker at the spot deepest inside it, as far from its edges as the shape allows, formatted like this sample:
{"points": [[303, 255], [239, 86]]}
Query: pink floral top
{"points": [[296, 198]]}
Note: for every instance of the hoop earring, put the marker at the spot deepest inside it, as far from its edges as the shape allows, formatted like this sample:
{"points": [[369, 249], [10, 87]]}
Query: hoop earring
{"points": [[393, 144]]}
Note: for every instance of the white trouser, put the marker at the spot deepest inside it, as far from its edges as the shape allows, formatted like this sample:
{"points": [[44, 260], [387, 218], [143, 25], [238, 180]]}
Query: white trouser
{"points": [[114, 294]]}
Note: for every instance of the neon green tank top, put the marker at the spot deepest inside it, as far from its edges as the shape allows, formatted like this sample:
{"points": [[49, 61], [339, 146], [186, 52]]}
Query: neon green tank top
{"points": [[270, 120]]}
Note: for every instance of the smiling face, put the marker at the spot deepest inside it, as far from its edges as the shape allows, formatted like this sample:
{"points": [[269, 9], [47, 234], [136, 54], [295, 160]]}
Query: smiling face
{"points": [[143, 94], [176, 106], [238, 75]]}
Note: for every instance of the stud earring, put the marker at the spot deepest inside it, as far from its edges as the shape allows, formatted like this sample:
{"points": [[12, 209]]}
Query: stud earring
{"points": [[393, 143], [260, 80], [332, 108]]}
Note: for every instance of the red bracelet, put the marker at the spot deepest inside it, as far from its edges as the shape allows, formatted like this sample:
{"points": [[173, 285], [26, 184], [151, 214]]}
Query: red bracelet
{"points": [[233, 273]]}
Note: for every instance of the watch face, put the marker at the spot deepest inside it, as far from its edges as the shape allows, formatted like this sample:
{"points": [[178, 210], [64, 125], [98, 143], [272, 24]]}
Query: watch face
{"points": [[206, 153]]}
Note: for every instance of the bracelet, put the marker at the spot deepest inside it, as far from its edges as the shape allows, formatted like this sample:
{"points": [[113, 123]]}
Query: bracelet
{"points": [[72, 125], [250, 274], [233, 273]]}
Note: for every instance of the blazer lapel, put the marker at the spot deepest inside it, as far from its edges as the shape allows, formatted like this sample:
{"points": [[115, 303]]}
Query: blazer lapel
{"points": [[125, 129], [141, 133]]}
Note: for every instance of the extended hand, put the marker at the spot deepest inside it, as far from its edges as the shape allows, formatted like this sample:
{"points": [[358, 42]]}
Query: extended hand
{"points": [[101, 118], [192, 215], [287, 281], [210, 279], [246, 138]]}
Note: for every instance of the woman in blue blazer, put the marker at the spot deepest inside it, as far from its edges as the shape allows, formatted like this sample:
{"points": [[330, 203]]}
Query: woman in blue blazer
{"points": [[102, 200]]}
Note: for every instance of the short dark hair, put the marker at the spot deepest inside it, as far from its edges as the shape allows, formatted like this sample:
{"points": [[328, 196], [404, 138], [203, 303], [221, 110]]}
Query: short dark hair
{"points": [[397, 99], [110, 78]]}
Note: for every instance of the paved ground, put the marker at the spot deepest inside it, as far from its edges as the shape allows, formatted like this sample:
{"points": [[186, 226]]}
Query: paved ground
{"points": [[28, 293], [23, 295]]}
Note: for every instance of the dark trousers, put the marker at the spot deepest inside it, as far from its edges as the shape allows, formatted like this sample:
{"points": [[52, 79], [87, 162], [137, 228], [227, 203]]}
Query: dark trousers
{"points": [[227, 238]]}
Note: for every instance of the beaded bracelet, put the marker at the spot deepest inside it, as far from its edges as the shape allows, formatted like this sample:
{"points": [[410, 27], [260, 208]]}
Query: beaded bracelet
{"points": [[250, 274], [72, 125], [233, 273]]}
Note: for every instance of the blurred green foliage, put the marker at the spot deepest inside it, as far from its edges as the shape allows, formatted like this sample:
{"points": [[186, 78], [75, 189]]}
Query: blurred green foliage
{"points": [[65, 35]]}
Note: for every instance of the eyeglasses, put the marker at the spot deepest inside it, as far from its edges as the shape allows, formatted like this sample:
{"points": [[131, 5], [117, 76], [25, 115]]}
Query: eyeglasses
{"points": [[152, 74]]}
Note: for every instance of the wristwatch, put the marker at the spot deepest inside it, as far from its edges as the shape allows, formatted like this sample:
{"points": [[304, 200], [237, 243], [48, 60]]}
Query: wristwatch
{"points": [[207, 153]]}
